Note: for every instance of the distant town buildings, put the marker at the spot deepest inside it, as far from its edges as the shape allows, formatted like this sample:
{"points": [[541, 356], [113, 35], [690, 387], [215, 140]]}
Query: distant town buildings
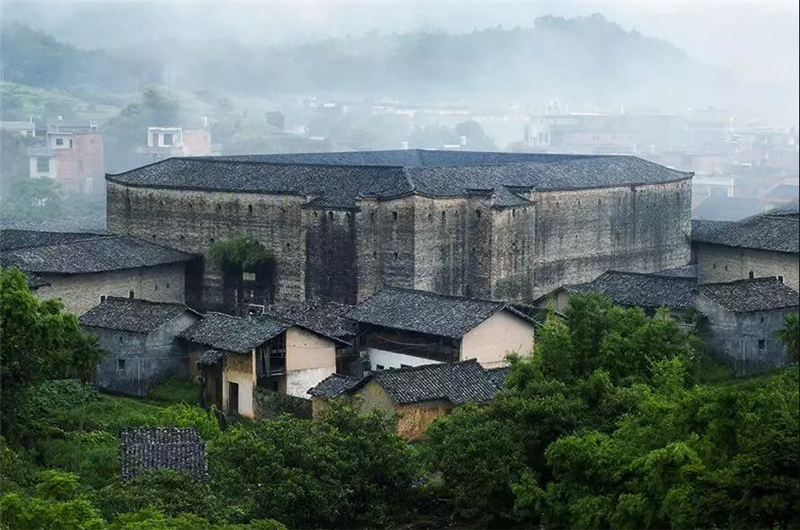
{"points": [[73, 156], [166, 142]]}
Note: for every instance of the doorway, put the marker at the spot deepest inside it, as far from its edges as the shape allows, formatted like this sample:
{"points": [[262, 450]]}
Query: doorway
{"points": [[233, 398]]}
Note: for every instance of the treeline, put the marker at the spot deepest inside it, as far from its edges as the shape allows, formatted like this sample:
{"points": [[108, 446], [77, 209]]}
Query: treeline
{"points": [[35, 58], [617, 421]]}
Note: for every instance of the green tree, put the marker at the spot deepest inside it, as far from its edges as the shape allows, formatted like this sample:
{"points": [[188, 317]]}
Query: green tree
{"points": [[238, 255], [40, 341], [789, 335]]}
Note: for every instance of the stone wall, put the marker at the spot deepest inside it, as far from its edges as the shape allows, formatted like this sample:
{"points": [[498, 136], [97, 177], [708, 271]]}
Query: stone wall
{"points": [[81, 292], [148, 358], [581, 234], [748, 342], [716, 263], [463, 245]]}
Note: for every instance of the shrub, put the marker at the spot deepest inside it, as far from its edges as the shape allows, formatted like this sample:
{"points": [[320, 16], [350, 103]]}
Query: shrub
{"points": [[175, 391]]}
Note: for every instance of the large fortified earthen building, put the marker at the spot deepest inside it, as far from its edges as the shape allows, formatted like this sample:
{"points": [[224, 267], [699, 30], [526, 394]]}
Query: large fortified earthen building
{"points": [[342, 225]]}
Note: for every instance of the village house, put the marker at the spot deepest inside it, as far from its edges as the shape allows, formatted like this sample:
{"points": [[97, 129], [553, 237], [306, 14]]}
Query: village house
{"points": [[763, 245], [83, 269], [140, 338], [235, 356], [418, 395], [73, 155], [671, 289], [166, 142], [743, 319], [400, 328]]}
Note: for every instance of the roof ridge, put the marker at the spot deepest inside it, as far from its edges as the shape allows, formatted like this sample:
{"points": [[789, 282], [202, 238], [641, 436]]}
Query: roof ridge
{"points": [[440, 295], [656, 274], [424, 367], [760, 279]]}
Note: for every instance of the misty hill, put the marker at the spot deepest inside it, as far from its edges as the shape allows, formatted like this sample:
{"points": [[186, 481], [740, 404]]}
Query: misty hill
{"points": [[35, 58], [586, 60]]}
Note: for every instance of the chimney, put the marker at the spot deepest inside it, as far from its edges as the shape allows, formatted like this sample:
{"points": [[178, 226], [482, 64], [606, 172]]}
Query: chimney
{"points": [[462, 141], [405, 145], [205, 121]]}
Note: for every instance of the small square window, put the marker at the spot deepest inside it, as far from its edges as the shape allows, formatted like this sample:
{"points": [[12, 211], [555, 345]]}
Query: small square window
{"points": [[130, 294], [102, 298], [59, 141], [43, 164], [780, 278], [120, 365], [751, 275], [762, 344], [379, 367], [167, 139]]}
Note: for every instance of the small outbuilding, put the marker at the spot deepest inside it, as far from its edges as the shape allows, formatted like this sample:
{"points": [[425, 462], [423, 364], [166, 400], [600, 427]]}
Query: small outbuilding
{"points": [[418, 395], [743, 318], [140, 338]]}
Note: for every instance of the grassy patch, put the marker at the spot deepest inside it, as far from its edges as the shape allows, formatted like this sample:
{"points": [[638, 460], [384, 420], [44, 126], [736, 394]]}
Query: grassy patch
{"points": [[175, 391]]}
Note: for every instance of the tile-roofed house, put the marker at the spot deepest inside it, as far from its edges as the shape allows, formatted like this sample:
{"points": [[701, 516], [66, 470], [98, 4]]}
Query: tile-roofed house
{"points": [[633, 289], [777, 233], [334, 386], [236, 355], [424, 312], [746, 296], [403, 327], [95, 254], [132, 314], [742, 319], [83, 268], [417, 394], [140, 338], [11, 239], [147, 449], [234, 334], [767, 244]]}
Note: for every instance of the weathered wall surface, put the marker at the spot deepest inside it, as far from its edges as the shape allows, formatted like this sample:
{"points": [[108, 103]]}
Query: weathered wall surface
{"points": [[415, 419], [239, 369], [149, 359], [496, 337], [581, 234], [748, 342], [716, 263], [463, 246], [192, 221], [309, 359], [81, 292]]}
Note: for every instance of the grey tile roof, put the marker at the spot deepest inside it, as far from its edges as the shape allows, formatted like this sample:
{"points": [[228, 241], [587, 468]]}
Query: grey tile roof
{"points": [[722, 208], [35, 282], [642, 290], [499, 375], [747, 296], [210, 357], [132, 314], [778, 232], [457, 383], [426, 312], [149, 448], [98, 254], [339, 179], [334, 385], [11, 239], [329, 319], [233, 334]]}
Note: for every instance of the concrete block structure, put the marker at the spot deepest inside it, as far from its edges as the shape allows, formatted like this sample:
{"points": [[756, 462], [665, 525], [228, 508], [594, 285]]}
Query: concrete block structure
{"points": [[502, 226]]}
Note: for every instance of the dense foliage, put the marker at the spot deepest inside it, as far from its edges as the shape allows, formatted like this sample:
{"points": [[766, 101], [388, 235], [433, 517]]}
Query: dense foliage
{"points": [[616, 421], [39, 341]]}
